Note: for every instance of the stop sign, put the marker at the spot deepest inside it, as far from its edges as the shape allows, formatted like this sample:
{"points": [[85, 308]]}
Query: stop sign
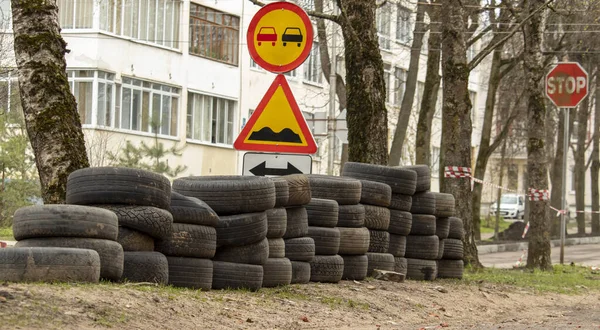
{"points": [[567, 84]]}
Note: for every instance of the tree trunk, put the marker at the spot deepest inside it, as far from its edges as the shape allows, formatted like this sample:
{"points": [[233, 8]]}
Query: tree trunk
{"points": [[595, 168], [556, 174], [456, 119], [411, 85], [430, 90], [51, 117], [499, 192], [367, 114], [580, 167], [538, 255]]}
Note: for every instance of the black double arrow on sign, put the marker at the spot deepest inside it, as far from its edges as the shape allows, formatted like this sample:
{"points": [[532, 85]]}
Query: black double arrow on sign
{"points": [[262, 170]]}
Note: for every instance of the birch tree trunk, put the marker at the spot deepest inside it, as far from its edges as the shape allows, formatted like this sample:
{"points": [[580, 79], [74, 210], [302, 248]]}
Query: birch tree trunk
{"points": [[411, 85], [538, 255], [50, 111], [456, 118]]}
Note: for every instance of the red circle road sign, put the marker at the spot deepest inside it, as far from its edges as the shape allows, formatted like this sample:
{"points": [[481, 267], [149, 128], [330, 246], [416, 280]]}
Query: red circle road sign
{"points": [[280, 37], [567, 84]]}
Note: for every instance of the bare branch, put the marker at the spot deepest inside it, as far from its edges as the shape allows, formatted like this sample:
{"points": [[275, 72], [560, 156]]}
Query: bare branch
{"points": [[313, 13], [479, 36]]}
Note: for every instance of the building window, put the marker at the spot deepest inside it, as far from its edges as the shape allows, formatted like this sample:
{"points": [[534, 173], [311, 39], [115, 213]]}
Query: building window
{"points": [[399, 85], [384, 26], [154, 21], [214, 34], [148, 107], [403, 26], [312, 66], [473, 98], [105, 99], [290, 74], [76, 14], [82, 87], [5, 15], [387, 77], [210, 119], [10, 99]]}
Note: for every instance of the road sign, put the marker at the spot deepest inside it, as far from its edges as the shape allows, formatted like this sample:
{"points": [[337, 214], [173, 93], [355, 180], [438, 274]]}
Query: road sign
{"points": [[280, 37], [277, 124], [263, 164], [567, 84]]}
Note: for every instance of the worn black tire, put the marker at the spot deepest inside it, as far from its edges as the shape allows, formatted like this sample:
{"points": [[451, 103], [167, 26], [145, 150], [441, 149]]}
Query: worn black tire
{"points": [[401, 202], [277, 272], [229, 194], [276, 222], [297, 222], [450, 269], [146, 267], [326, 269], [298, 190], [118, 185], [423, 176], [422, 247], [133, 240], [354, 241], [375, 193], [327, 240], [282, 191], [422, 270], [192, 210], [456, 230], [351, 216], [193, 241], [401, 181], [252, 254], [453, 249], [381, 261], [377, 217], [322, 212], [441, 249], [397, 245], [400, 222], [423, 203], [345, 191], [64, 221], [276, 247], [300, 249], [241, 229], [110, 252], [379, 241], [400, 265], [442, 227], [444, 205], [228, 275], [36, 264], [423, 225], [153, 221], [300, 272], [193, 273], [355, 267]]}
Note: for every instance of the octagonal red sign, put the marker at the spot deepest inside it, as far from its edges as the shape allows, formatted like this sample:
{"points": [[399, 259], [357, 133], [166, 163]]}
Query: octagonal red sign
{"points": [[567, 84]]}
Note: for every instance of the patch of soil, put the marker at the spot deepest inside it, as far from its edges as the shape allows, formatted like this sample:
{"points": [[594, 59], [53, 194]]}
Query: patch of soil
{"points": [[348, 305]]}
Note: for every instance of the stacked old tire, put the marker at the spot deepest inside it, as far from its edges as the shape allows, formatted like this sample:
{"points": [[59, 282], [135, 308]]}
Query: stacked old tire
{"points": [[299, 248], [451, 263], [141, 200], [402, 183], [376, 198], [241, 245], [340, 250]]}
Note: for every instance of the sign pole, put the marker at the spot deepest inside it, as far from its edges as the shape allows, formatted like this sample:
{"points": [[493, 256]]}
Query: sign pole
{"points": [[564, 184]]}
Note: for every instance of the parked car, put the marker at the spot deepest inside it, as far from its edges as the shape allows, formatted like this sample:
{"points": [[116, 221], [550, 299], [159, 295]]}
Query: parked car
{"points": [[512, 206]]}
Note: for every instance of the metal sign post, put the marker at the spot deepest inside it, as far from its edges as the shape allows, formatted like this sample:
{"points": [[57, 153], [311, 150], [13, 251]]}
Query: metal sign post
{"points": [[563, 207]]}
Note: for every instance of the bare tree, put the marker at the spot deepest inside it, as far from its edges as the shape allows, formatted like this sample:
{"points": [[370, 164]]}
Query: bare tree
{"points": [[51, 117], [595, 167]]}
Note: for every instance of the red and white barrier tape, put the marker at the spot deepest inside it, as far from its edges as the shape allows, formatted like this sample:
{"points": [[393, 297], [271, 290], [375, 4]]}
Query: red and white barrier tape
{"points": [[457, 172], [525, 230], [538, 194], [3, 244], [520, 262]]}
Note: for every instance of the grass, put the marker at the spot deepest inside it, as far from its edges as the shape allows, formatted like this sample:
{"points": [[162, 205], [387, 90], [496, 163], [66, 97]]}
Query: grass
{"points": [[7, 234], [567, 279], [492, 224]]}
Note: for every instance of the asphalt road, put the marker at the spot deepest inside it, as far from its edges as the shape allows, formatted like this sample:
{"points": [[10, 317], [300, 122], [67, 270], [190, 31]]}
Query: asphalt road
{"points": [[586, 254]]}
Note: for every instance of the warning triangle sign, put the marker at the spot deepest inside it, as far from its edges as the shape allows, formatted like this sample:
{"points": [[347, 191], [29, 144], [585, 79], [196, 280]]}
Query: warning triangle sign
{"points": [[277, 124]]}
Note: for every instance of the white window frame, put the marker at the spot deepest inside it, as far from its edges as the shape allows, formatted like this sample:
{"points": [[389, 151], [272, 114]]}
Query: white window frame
{"points": [[403, 24], [399, 84], [229, 133], [313, 72], [383, 19]]}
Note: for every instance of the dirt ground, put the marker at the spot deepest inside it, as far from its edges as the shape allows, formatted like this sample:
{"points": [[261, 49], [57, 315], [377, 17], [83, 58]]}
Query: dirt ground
{"points": [[347, 305]]}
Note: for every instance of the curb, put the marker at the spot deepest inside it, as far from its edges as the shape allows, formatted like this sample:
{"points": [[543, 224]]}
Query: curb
{"points": [[493, 248], [4, 244]]}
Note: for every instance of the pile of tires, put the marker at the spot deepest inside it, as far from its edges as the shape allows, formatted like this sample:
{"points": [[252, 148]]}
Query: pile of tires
{"points": [[299, 248], [141, 201], [402, 183], [451, 263], [241, 245]]}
